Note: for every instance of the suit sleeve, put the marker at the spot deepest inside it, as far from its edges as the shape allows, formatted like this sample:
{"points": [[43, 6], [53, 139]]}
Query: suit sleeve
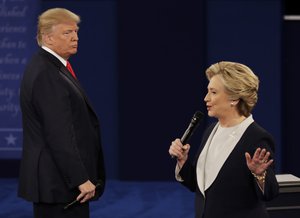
{"points": [[53, 104], [187, 173]]}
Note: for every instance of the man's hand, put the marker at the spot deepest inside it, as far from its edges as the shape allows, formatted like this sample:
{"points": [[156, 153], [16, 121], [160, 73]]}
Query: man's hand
{"points": [[87, 191]]}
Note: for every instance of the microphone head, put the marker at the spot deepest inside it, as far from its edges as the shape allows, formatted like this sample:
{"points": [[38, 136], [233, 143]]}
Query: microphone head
{"points": [[192, 127], [197, 117]]}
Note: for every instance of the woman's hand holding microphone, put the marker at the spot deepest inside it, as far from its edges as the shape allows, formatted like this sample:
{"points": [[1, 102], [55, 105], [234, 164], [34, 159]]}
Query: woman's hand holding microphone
{"points": [[180, 151]]}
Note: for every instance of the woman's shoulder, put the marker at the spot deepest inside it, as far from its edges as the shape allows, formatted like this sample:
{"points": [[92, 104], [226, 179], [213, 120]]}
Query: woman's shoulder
{"points": [[255, 127], [255, 132]]}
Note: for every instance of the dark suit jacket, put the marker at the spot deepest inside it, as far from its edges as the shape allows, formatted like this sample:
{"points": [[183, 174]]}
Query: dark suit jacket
{"points": [[234, 193], [61, 134]]}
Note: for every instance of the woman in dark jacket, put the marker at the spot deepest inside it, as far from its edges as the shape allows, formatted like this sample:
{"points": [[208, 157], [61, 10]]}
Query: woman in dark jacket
{"points": [[233, 172]]}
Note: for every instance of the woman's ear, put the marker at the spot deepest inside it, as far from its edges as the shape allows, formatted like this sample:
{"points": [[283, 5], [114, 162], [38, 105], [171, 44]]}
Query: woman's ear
{"points": [[234, 102]]}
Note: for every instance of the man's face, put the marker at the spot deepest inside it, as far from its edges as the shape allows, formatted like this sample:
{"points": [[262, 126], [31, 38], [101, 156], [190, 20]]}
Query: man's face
{"points": [[64, 39]]}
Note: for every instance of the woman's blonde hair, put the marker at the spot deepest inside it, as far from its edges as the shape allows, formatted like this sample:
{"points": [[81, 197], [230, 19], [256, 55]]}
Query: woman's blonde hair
{"points": [[240, 84], [53, 17]]}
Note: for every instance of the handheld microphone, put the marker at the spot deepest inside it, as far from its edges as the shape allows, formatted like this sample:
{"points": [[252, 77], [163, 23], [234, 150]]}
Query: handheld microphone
{"points": [[192, 127]]}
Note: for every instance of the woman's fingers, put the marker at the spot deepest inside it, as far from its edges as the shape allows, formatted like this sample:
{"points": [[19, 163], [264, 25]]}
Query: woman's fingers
{"points": [[178, 150], [266, 157], [260, 160]]}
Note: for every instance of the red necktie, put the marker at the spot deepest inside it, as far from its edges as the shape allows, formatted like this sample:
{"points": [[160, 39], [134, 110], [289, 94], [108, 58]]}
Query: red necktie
{"points": [[70, 69]]}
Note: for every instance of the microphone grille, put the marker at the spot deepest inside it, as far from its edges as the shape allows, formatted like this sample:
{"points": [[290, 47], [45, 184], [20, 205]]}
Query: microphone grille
{"points": [[196, 118], [198, 115]]}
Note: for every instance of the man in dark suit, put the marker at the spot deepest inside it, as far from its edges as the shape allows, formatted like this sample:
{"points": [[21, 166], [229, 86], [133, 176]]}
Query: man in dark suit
{"points": [[62, 160]]}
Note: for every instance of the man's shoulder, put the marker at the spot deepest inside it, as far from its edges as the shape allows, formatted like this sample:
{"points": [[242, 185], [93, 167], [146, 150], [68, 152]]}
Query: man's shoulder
{"points": [[43, 60], [44, 57]]}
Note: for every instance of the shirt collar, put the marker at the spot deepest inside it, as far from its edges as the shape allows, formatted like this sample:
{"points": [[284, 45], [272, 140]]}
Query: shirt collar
{"points": [[63, 61]]}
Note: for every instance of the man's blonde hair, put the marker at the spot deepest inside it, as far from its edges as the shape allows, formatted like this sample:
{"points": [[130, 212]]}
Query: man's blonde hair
{"points": [[52, 17]]}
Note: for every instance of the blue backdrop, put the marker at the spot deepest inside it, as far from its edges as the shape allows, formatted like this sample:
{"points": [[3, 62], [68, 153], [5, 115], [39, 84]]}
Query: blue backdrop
{"points": [[250, 32], [142, 64], [17, 21]]}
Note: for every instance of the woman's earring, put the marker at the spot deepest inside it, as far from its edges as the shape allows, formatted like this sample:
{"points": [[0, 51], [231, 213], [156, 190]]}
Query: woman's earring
{"points": [[232, 104]]}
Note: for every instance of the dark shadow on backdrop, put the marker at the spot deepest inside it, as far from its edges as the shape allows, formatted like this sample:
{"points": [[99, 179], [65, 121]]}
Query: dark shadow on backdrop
{"points": [[291, 78], [161, 81]]}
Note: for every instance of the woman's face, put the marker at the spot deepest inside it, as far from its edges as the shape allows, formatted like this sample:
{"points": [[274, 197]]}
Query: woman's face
{"points": [[217, 100]]}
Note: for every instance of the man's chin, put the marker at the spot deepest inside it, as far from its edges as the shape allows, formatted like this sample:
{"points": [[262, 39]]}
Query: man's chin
{"points": [[73, 52]]}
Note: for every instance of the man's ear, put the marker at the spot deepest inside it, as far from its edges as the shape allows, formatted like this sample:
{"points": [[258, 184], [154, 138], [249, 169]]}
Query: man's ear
{"points": [[47, 39]]}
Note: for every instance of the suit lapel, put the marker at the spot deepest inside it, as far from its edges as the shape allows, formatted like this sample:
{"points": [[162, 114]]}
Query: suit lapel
{"points": [[207, 174], [76, 85], [68, 77], [200, 165]]}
